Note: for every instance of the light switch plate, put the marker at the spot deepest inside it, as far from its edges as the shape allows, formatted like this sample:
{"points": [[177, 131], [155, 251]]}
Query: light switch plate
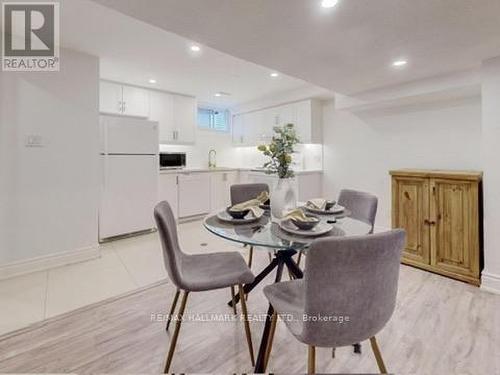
{"points": [[34, 140]]}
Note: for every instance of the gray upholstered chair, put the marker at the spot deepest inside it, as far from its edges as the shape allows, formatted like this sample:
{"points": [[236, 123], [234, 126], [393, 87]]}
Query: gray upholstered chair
{"points": [[354, 278], [245, 192], [362, 205], [200, 272]]}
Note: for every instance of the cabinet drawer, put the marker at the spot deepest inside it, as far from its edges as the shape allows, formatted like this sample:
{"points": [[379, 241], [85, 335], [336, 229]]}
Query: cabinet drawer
{"points": [[194, 194]]}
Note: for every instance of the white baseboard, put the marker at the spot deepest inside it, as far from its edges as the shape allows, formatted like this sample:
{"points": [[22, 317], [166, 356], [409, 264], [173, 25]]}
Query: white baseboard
{"points": [[46, 262], [490, 282]]}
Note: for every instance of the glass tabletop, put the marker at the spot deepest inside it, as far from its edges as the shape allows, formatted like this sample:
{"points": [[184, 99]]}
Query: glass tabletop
{"points": [[266, 233]]}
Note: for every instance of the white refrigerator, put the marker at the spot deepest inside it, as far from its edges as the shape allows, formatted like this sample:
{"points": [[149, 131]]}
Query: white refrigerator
{"points": [[130, 167]]}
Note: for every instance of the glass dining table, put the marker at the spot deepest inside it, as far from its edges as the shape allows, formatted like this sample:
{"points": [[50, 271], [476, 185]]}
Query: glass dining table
{"points": [[268, 235]]}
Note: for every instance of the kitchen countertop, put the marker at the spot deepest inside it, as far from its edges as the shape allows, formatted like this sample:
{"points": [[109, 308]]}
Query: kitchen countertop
{"points": [[228, 169]]}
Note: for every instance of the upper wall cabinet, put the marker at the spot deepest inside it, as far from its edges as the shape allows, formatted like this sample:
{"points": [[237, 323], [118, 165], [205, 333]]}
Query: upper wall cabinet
{"points": [[176, 115], [184, 118], [161, 109], [115, 98], [253, 128], [309, 121]]}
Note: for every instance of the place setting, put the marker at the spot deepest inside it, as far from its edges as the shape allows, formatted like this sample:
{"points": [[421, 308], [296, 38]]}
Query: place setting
{"points": [[322, 206], [299, 223], [246, 212]]}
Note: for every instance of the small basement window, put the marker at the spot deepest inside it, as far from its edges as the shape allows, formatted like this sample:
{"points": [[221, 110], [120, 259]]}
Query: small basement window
{"points": [[213, 119]]}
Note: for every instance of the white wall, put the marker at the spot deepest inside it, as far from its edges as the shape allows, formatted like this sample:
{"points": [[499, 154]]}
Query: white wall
{"points": [[360, 149], [490, 158], [49, 194]]}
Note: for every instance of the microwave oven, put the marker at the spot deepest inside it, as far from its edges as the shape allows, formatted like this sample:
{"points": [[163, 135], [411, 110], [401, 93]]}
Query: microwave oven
{"points": [[172, 160]]}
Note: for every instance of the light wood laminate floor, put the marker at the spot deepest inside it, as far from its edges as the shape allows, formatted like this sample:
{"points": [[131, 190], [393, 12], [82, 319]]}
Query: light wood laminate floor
{"points": [[440, 326]]}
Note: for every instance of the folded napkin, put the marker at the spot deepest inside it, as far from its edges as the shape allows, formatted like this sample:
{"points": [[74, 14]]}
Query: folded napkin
{"points": [[253, 204], [317, 203], [299, 215]]}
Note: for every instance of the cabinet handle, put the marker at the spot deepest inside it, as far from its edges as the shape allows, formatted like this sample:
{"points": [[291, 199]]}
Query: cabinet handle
{"points": [[124, 107], [427, 222]]}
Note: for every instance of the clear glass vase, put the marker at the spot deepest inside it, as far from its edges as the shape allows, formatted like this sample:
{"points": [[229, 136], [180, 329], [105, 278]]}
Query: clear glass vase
{"points": [[283, 198]]}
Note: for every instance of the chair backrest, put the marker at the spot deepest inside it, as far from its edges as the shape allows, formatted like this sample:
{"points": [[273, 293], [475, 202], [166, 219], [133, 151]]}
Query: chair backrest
{"points": [[362, 205], [353, 278], [172, 253], [245, 192]]}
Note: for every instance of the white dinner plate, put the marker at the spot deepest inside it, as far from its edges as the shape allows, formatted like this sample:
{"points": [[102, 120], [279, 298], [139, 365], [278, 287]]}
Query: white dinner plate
{"points": [[318, 230], [225, 217], [337, 209]]}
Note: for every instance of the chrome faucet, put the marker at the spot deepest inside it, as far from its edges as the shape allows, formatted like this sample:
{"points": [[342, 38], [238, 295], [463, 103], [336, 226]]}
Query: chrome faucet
{"points": [[212, 154]]}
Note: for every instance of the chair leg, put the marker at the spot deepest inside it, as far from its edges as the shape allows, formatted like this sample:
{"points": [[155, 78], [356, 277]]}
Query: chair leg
{"points": [[250, 257], [233, 298], [311, 359], [299, 258], [247, 324], [269, 345], [172, 308], [378, 355], [171, 349]]}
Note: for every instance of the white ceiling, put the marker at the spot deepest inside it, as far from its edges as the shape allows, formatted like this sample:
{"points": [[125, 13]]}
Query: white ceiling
{"points": [[349, 48], [133, 52]]}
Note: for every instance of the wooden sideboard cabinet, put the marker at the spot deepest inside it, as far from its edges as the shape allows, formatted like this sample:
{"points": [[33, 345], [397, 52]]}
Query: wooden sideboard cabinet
{"points": [[441, 212]]}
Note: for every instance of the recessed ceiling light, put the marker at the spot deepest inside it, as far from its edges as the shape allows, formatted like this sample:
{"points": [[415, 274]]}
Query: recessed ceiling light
{"points": [[195, 48], [329, 3], [153, 81], [274, 74], [399, 63], [222, 93]]}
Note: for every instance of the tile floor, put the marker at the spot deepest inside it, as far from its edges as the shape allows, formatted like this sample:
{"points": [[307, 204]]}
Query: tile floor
{"points": [[124, 265]]}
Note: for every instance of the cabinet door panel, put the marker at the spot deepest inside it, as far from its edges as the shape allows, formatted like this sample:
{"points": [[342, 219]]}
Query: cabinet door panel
{"points": [[454, 236], [194, 194], [238, 130], [167, 191], [410, 211], [135, 101], [110, 97], [161, 110], [184, 118]]}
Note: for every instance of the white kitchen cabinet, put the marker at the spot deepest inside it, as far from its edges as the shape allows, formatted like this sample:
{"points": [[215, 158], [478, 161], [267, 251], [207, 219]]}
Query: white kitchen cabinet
{"points": [[184, 119], [254, 128], [168, 191], [110, 98], [161, 109], [309, 121], [194, 194], [220, 185], [118, 99], [176, 115], [238, 130], [307, 185], [135, 101]]}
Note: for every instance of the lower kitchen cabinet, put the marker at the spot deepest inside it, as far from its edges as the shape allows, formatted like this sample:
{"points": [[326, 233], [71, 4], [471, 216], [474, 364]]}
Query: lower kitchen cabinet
{"points": [[308, 185], [168, 191], [194, 194], [441, 213], [220, 185]]}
